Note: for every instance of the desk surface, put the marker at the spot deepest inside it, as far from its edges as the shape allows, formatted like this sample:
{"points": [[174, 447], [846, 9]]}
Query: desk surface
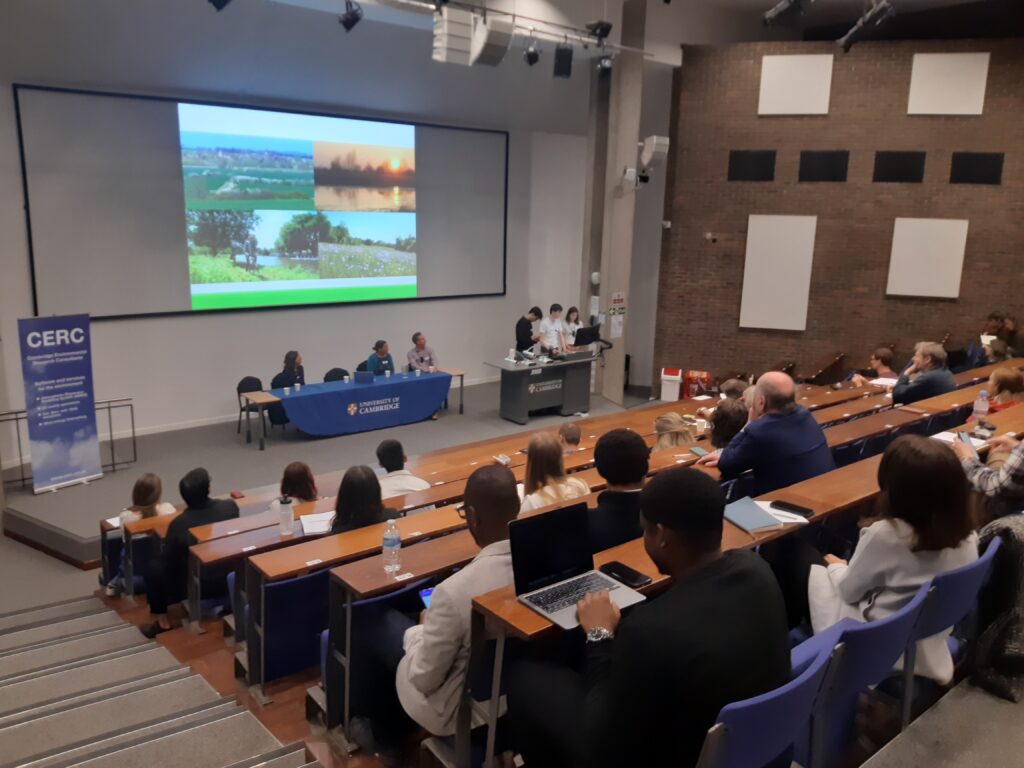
{"points": [[868, 426], [260, 398], [982, 373], [505, 365], [851, 408]]}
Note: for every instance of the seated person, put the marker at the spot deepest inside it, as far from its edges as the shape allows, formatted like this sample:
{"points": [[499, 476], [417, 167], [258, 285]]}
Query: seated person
{"points": [[421, 357], [1003, 483], [673, 430], [398, 480], [654, 681], [293, 373], [359, 502], [525, 337], [569, 437], [1005, 389], [380, 362], [727, 420], [1009, 334], [552, 331], [927, 375], [546, 482], [995, 323], [298, 483], [925, 529], [781, 444], [145, 503], [431, 672], [881, 364], [730, 389], [621, 458], [996, 351], [167, 575]]}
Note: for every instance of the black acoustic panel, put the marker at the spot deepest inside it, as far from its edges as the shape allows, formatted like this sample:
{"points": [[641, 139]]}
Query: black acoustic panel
{"points": [[752, 165], [976, 168], [900, 167], [824, 166]]}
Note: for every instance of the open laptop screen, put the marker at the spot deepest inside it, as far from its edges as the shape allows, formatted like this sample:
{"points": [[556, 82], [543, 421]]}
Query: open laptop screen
{"points": [[550, 547]]}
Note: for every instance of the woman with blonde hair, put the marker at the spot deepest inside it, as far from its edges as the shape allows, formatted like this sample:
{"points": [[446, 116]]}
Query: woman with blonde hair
{"points": [[146, 502], [546, 481], [672, 430]]}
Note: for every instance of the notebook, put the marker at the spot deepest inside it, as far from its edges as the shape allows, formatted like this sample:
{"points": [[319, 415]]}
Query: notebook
{"points": [[318, 523], [744, 513]]}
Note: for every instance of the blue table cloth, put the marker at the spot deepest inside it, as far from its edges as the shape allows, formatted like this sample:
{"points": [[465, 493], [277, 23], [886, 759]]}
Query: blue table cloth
{"points": [[337, 408]]}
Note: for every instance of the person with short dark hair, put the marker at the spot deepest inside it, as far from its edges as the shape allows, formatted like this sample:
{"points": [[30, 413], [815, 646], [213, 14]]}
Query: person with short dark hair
{"points": [[421, 357], [552, 330], [398, 480], [525, 337], [569, 435], [359, 500], [880, 363], [926, 376], [298, 482], [726, 422], [654, 680], [925, 529], [1008, 334], [621, 458], [293, 373], [781, 444], [167, 575], [380, 363]]}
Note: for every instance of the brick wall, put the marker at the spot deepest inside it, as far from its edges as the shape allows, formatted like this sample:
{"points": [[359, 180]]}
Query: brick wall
{"points": [[715, 110]]}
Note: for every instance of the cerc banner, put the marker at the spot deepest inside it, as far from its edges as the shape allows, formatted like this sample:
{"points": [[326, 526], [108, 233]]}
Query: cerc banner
{"points": [[56, 364]]}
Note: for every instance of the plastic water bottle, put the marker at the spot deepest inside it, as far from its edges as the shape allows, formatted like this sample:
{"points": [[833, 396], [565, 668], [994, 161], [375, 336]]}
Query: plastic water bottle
{"points": [[981, 407], [285, 518], [392, 543]]}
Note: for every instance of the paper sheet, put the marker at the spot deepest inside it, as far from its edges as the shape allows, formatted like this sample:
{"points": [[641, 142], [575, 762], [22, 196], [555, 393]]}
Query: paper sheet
{"points": [[950, 437], [884, 382]]}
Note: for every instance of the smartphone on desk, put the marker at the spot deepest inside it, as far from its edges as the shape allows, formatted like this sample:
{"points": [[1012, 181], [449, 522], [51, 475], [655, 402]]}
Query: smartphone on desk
{"points": [[698, 451], [629, 576], [425, 596], [788, 506]]}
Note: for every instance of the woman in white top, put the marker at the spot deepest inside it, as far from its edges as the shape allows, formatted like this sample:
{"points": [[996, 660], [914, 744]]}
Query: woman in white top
{"points": [[926, 528], [570, 325], [145, 503], [546, 481]]}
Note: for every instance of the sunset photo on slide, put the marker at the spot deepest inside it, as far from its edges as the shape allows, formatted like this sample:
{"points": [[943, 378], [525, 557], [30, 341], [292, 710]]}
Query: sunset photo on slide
{"points": [[364, 177]]}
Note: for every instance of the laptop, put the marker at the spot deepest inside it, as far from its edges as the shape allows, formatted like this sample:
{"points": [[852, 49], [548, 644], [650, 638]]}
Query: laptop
{"points": [[553, 566], [364, 377]]}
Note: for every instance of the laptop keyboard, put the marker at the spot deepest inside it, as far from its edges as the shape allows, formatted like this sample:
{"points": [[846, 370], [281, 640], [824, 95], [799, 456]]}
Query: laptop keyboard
{"points": [[570, 592]]}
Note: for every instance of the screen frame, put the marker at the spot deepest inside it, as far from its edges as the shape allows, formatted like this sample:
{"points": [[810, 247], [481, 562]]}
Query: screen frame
{"points": [[16, 88]]}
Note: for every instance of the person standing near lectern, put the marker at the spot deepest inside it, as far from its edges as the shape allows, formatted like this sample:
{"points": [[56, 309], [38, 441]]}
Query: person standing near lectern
{"points": [[380, 362], [525, 337]]}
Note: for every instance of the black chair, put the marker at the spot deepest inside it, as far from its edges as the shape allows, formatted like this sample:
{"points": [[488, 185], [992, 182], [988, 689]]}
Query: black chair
{"points": [[276, 412], [335, 374], [362, 366], [247, 384]]}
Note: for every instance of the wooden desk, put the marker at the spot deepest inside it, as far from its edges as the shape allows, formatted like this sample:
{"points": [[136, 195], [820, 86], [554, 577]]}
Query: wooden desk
{"points": [[869, 426], [261, 400], [978, 375], [949, 401], [835, 414], [461, 375]]}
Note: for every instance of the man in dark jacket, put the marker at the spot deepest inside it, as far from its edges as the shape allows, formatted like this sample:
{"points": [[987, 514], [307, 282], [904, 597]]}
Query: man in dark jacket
{"points": [[621, 458], [926, 376], [167, 575], [654, 681]]}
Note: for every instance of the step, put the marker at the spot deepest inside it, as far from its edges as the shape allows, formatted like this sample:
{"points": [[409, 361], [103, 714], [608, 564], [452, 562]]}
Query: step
{"points": [[64, 652], [56, 630], [212, 745], [85, 723], [29, 617], [123, 739], [291, 756], [24, 714], [85, 676]]}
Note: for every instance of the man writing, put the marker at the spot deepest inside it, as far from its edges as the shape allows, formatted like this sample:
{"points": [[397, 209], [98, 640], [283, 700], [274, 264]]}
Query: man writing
{"points": [[782, 443], [525, 337], [654, 681], [421, 357], [926, 376]]}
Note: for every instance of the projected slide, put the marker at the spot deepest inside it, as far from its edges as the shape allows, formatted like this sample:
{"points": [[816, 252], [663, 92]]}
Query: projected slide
{"points": [[287, 209]]}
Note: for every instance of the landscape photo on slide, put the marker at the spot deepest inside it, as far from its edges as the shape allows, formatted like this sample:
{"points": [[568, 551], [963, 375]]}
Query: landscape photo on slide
{"points": [[284, 208]]}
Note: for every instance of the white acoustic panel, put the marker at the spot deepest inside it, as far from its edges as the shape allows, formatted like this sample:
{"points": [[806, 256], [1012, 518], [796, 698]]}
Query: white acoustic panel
{"points": [[795, 85], [777, 272], [948, 84], [927, 257]]}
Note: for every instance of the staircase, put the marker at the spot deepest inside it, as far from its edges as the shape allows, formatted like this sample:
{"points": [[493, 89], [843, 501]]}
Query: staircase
{"points": [[81, 687]]}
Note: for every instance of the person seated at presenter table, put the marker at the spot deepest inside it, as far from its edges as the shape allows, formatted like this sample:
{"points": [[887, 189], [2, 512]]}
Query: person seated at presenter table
{"points": [[881, 364], [298, 482], [292, 374], [380, 362], [358, 503], [552, 331], [525, 337], [421, 357]]}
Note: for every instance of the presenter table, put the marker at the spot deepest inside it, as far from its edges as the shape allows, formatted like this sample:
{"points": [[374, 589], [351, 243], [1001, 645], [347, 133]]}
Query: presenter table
{"points": [[561, 383]]}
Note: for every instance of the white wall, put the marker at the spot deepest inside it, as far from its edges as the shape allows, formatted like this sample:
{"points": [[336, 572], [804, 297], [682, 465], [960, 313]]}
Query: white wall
{"points": [[183, 370]]}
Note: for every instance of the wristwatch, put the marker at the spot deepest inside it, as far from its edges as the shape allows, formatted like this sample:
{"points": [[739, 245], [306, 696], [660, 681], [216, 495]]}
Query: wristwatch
{"points": [[599, 635]]}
